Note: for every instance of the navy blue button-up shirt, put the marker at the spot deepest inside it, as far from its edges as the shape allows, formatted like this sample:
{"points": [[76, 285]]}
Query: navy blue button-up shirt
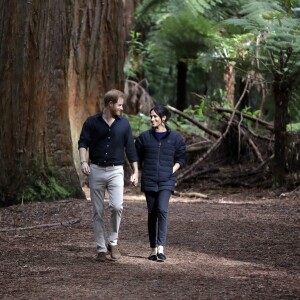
{"points": [[108, 144]]}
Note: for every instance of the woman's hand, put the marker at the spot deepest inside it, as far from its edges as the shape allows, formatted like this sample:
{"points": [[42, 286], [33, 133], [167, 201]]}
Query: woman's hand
{"points": [[176, 167], [134, 179]]}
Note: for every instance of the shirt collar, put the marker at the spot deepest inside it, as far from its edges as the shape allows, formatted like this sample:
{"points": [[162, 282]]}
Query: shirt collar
{"points": [[116, 117]]}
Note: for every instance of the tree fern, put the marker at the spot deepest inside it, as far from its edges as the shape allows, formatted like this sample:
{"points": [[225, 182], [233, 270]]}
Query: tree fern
{"points": [[274, 23]]}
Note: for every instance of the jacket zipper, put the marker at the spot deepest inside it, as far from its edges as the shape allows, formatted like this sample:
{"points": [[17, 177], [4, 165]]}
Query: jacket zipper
{"points": [[158, 155]]}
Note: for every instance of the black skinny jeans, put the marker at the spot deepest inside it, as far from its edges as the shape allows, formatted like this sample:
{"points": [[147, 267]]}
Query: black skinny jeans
{"points": [[158, 203]]}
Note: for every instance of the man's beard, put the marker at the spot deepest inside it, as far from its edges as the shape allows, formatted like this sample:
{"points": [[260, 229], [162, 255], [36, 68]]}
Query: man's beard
{"points": [[115, 113]]}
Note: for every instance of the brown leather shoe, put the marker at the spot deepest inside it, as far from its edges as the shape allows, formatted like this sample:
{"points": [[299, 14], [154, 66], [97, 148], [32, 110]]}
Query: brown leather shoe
{"points": [[114, 252], [101, 256]]}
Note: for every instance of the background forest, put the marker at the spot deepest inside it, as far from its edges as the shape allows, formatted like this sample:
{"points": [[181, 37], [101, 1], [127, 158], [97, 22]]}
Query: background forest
{"points": [[228, 70], [233, 66]]}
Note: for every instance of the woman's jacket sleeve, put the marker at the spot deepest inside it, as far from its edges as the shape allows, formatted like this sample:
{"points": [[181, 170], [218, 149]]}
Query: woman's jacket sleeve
{"points": [[179, 156]]}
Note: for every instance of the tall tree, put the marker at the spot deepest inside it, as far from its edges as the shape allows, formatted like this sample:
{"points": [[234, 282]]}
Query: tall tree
{"points": [[57, 59]]}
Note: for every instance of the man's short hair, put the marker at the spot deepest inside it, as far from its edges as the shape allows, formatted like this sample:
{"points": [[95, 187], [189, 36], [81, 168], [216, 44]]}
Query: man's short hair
{"points": [[113, 96]]}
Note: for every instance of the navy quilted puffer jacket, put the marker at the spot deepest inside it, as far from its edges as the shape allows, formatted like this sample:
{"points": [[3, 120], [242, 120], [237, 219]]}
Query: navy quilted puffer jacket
{"points": [[157, 158]]}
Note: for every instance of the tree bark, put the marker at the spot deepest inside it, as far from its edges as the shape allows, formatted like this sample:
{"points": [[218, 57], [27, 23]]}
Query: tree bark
{"points": [[281, 90], [229, 79], [57, 59], [281, 97], [181, 85]]}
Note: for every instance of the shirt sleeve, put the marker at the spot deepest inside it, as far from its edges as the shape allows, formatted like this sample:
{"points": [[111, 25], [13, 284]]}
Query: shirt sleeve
{"points": [[130, 149], [139, 149], [85, 136]]}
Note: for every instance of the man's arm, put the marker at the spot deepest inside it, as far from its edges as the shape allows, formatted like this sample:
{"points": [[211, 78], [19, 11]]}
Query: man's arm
{"points": [[85, 168]]}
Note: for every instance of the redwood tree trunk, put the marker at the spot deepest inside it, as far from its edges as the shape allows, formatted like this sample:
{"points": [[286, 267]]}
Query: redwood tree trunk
{"points": [[57, 59]]}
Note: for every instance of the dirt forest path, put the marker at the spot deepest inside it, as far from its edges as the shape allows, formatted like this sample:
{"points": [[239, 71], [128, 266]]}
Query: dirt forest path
{"points": [[242, 245]]}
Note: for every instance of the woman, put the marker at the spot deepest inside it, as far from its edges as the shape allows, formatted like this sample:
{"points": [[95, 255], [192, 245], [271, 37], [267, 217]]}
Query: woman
{"points": [[161, 153]]}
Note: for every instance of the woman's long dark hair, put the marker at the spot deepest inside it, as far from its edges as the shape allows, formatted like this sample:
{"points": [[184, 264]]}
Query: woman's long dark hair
{"points": [[161, 111]]}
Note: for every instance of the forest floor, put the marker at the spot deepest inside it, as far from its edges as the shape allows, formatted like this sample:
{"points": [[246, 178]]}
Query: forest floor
{"points": [[235, 244]]}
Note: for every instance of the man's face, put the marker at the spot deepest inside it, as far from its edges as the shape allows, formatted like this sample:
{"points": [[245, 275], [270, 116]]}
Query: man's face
{"points": [[117, 108]]}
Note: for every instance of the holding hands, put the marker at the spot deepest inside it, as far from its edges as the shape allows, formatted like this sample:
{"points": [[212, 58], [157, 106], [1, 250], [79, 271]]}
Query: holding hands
{"points": [[134, 179]]}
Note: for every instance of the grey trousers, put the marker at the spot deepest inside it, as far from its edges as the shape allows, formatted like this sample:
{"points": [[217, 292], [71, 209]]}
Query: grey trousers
{"points": [[112, 180]]}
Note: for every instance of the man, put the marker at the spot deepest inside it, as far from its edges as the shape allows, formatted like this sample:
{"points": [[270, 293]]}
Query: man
{"points": [[105, 136]]}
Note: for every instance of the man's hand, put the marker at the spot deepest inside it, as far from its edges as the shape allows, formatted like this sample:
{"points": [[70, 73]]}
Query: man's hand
{"points": [[85, 168], [134, 179]]}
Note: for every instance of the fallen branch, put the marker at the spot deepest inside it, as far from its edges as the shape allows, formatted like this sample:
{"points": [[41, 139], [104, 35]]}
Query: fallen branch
{"points": [[200, 173], [264, 138], [199, 144], [64, 224], [261, 165], [190, 195], [198, 124], [256, 120], [257, 170], [255, 149], [250, 141], [197, 149]]}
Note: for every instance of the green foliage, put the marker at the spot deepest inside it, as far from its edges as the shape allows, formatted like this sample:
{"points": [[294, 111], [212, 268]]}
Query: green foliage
{"points": [[186, 34], [138, 56], [247, 111], [293, 127], [273, 27], [43, 190], [294, 104], [181, 34], [197, 111], [236, 49], [183, 125], [138, 123], [176, 30], [191, 31], [36, 183]]}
